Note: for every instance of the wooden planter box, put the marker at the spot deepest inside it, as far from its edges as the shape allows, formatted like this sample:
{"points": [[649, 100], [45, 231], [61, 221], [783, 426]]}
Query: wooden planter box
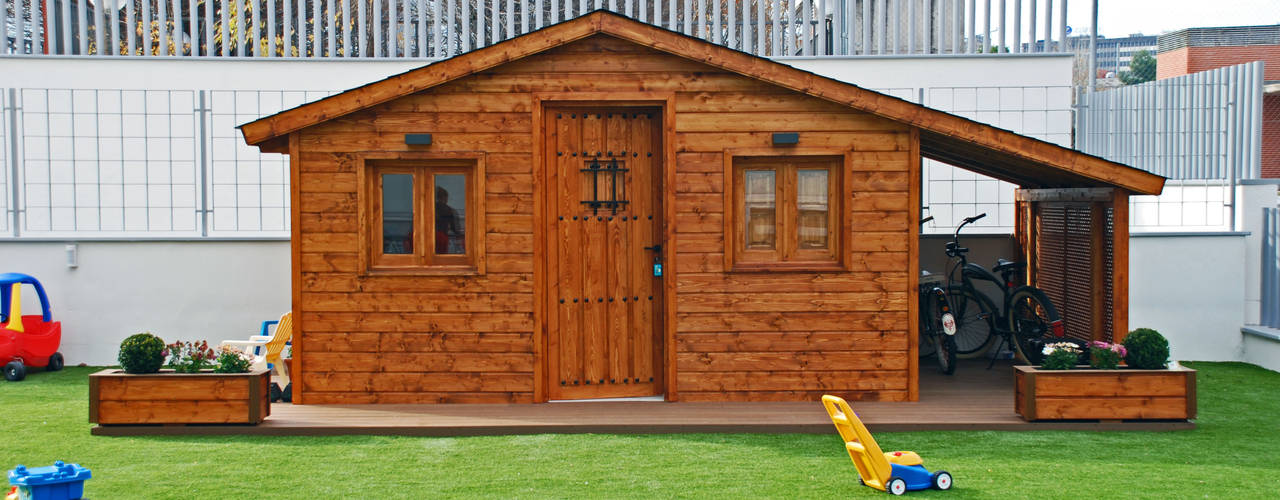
{"points": [[1088, 394], [116, 397]]}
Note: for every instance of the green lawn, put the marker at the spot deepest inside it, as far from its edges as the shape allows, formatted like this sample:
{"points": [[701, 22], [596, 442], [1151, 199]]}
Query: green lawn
{"points": [[1234, 453]]}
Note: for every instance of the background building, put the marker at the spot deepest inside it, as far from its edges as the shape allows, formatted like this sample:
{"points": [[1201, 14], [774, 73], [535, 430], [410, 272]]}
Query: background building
{"points": [[1194, 50]]}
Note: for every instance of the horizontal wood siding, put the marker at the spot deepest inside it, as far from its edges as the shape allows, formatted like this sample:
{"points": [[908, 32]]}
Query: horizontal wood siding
{"points": [[374, 338], [785, 336]]}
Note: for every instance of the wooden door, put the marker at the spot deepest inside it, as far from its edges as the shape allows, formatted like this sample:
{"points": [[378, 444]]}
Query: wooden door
{"points": [[603, 171]]}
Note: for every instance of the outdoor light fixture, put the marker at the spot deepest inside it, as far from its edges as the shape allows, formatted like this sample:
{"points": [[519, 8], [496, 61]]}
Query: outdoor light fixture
{"points": [[417, 139], [786, 138]]}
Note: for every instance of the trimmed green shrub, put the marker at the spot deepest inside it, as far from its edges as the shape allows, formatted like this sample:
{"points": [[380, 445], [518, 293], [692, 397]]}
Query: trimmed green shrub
{"points": [[1148, 350], [141, 353]]}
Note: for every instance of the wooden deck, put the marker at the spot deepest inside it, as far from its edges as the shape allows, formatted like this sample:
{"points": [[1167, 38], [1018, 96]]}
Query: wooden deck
{"points": [[973, 399]]}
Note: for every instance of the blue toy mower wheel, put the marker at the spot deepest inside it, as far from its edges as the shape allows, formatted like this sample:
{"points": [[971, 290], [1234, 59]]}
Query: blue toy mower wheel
{"points": [[896, 486], [941, 480], [55, 362], [14, 371]]}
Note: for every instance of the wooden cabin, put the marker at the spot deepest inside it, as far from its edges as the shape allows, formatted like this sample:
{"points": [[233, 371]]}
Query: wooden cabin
{"points": [[604, 208]]}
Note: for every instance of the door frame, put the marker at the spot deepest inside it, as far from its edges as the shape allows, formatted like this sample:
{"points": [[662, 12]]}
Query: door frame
{"points": [[542, 211]]}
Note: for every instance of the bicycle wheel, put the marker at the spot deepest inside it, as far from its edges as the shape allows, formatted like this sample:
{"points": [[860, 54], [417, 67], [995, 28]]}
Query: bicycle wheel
{"points": [[945, 352], [1031, 320], [974, 324], [925, 339]]}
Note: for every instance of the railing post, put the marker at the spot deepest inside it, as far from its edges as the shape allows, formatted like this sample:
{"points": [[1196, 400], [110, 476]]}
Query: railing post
{"points": [[16, 213], [202, 118]]}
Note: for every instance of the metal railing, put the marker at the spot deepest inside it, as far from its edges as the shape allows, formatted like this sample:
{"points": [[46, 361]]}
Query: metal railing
{"points": [[171, 164], [149, 163], [1270, 310], [1204, 125], [433, 29]]}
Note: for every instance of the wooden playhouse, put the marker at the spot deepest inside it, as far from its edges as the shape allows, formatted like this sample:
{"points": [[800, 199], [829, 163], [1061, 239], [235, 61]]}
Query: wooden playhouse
{"points": [[490, 228]]}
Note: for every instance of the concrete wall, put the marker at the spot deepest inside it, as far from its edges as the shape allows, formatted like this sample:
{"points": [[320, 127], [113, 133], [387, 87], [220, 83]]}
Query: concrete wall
{"points": [[203, 290], [1187, 287], [299, 74], [942, 71], [1262, 349], [1191, 289]]}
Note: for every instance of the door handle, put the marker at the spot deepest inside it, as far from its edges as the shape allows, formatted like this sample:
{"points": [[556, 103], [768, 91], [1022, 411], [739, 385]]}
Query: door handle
{"points": [[656, 248]]}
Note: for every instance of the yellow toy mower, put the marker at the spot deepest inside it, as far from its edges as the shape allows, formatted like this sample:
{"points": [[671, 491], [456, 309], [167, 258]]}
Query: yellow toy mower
{"points": [[895, 472]]}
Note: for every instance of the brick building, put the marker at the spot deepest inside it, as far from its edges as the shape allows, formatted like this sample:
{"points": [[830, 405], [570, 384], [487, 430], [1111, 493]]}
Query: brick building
{"points": [[1193, 50]]}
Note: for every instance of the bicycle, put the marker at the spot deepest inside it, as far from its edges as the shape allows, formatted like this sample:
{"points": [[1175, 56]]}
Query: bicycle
{"points": [[1024, 321], [937, 325]]}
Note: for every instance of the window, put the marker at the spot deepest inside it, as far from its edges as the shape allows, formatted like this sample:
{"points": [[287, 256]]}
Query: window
{"points": [[424, 216], [785, 212]]}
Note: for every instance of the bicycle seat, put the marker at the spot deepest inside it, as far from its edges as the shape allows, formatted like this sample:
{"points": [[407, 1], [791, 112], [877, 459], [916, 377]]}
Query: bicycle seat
{"points": [[1006, 265]]}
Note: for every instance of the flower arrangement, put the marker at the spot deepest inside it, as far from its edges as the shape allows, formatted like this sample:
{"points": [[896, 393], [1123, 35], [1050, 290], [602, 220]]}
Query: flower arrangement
{"points": [[1060, 356], [232, 361], [1106, 356], [189, 357]]}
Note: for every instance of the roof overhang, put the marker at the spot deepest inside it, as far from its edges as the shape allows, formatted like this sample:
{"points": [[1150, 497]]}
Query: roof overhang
{"points": [[952, 139]]}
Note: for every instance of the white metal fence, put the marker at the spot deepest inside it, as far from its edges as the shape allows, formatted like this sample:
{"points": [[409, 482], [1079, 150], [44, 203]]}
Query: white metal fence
{"points": [[1205, 125], [171, 164], [1270, 313], [441, 28], [152, 163]]}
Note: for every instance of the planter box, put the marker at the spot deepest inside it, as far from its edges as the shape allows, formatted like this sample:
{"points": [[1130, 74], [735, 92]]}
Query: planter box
{"points": [[116, 397], [1088, 394]]}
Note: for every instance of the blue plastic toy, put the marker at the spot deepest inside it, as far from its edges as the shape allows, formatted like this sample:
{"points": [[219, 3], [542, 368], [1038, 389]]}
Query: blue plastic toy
{"points": [[60, 481]]}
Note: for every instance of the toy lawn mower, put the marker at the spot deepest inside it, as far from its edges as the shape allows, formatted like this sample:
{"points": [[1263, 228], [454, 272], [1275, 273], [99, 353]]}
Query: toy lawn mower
{"points": [[896, 472], [26, 341]]}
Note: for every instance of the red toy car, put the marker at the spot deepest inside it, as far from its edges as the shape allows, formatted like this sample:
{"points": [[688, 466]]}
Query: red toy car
{"points": [[26, 341]]}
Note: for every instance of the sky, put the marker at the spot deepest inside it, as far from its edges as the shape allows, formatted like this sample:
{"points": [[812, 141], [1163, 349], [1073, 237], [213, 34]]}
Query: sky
{"points": [[1120, 18]]}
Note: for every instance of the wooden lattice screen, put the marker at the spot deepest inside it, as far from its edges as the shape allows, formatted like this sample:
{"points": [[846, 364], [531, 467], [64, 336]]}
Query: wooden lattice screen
{"points": [[1076, 244]]}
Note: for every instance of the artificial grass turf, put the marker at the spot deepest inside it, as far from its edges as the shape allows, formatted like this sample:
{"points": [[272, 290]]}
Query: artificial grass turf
{"points": [[1233, 453]]}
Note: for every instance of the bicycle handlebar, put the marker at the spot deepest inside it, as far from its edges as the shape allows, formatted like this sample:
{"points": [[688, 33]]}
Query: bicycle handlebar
{"points": [[974, 218]]}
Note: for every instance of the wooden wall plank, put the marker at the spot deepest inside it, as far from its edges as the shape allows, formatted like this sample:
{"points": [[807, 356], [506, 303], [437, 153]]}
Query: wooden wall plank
{"points": [[416, 362], [792, 342], [331, 342], [791, 282], [815, 396], [389, 397], [850, 380], [790, 361], [419, 382], [518, 322], [788, 302], [790, 322]]}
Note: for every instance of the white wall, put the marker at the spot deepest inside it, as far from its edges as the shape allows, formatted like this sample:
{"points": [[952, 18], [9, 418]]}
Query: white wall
{"points": [[136, 73], [205, 290], [1191, 289], [302, 74], [942, 71], [1262, 351]]}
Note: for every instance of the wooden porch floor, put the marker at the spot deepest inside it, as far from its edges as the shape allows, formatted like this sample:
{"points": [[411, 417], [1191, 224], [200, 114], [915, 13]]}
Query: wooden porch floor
{"points": [[973, 399]]}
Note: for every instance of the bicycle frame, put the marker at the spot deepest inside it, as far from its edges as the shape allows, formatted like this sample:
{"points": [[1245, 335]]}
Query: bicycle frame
{"points": [[968, 272], [999, 318]]}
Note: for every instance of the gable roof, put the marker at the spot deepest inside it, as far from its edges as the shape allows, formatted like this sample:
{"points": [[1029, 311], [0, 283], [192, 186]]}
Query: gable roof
{"points": [[945, 137]]}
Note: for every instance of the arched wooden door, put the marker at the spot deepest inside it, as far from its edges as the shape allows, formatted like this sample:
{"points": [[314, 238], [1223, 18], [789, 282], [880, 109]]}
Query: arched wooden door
{"points": [[604, 167]]}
